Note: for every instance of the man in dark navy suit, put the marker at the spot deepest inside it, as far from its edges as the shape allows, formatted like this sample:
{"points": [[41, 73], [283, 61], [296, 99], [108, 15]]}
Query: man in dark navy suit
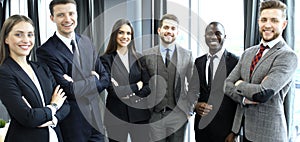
{"points": [[76, 67]]}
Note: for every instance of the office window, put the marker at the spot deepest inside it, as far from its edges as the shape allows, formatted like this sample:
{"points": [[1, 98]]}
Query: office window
{"points": [[296, 129], [195, 15]]}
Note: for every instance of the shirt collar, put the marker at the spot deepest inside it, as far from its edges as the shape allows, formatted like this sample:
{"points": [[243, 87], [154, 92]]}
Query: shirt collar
{"points": [[218, 54], [271, 43], [163, 49], [65, 40]]}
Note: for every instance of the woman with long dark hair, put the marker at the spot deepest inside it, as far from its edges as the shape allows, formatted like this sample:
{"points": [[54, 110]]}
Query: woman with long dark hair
{"points": [[127, 111], [29, 92]]}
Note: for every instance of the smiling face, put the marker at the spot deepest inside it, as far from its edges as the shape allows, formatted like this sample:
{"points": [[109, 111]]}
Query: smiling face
{"points": [[214, 37], [271, 24], [65, 17], [124, 36], [20, 39], [168, 31]]}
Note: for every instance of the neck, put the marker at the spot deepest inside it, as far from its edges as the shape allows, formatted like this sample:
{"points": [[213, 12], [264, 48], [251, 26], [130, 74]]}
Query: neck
{"points": [[167, 45], [122, 50], [20, 60]]}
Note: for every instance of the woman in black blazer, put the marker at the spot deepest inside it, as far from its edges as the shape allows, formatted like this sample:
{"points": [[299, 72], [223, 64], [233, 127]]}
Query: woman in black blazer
{"points": [[127, 111], [28, 89]]}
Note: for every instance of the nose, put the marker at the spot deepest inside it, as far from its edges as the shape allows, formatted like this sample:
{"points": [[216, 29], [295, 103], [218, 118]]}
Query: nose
{"points": [[67, 17], [25, 39]]}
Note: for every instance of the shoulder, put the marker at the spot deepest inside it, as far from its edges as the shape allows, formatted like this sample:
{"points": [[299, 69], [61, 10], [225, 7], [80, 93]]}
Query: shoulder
{"points": [[153, 50], [180, 49], [107, 57], [201, 58], [232, 56]]}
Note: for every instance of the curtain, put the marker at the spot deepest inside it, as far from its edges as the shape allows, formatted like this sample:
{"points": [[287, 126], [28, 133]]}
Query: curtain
{"points": [[1, 14], [160, 8], [3, 4], [289, 37], [33, 13], [90, 21], [251, 32], [252, 37]]}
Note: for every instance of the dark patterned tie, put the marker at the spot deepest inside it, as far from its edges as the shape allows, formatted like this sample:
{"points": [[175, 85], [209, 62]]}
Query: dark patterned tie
{"points": [[257, 57], [167, 60], [210, 70], [75, 52]]}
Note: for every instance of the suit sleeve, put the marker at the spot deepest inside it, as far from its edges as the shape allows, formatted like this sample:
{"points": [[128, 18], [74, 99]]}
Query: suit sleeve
{"points": [[11, 97], [104, 78], [65, 108], [194, 86], [229, 87], [145, 77], [57, 70], [279, 75], [124, 90]]}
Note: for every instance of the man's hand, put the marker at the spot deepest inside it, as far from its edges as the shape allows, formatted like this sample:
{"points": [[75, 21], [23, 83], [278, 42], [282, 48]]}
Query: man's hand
{"points": [[238, 82], [95, 74], [140, 85], [248, 102], [203, 108], [230, 138], [114, 82]]}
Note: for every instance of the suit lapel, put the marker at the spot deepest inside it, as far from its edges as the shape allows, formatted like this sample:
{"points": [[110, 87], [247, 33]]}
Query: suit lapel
{"points": [[62, 49], [203, 70], [38, 70], [20, 73], [269, 53], [180, 60], [118, 67]]}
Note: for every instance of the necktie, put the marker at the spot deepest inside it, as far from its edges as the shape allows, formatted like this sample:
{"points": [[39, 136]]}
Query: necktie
{"points": [[167, 60], [75, 52], [257, 57], [211, 70]]}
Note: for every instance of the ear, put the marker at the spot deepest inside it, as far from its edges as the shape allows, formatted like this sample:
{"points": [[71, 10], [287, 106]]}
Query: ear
{"points": [[52, 18], [6, 40], [158, 31], [284, 24]]}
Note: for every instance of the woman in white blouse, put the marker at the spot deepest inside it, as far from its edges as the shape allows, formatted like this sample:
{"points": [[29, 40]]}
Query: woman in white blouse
{"points": [[28, 90]]}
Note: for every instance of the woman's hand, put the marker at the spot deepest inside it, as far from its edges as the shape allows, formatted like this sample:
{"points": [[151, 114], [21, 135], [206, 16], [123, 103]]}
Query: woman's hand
{"points": [[140, 85], [58, 97]]}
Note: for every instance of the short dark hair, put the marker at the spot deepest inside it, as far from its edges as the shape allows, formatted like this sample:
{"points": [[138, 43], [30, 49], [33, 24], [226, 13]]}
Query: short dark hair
{"points": [[57, 2], [168, 17], [215, 23], [273, 4]]}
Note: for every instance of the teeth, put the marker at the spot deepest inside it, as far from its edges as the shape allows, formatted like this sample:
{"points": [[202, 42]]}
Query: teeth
{"points": [[24, 47]]}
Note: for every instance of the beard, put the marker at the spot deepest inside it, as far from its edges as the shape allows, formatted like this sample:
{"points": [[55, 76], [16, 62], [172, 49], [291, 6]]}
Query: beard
{"points": [[275, 35], [167, 40]]}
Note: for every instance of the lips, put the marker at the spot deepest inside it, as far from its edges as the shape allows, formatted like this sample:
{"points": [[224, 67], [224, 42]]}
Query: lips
{"points": [[68, 25], [24, 47]]}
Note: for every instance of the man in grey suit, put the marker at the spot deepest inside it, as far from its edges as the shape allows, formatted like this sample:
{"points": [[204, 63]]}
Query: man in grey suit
{"points": [[170, 68], [262, 78]]}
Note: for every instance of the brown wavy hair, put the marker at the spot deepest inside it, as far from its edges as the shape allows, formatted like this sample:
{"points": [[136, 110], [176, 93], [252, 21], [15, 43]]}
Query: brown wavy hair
{"points": [[6, 29]]}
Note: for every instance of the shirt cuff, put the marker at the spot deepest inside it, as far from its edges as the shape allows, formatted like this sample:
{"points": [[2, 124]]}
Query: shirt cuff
{"points": [[54, 122], [243, 101], [53, 109]]}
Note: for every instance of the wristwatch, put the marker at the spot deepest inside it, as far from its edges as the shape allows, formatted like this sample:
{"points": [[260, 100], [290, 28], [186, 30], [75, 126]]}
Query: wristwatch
{"points": [[54, 105]]}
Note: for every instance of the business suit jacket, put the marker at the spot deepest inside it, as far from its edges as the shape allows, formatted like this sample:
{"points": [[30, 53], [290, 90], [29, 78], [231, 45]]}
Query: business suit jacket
{"points": [[15, 84], [134, 109], [184, 68], [83, 92], [269, 84], [220, 125]]}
